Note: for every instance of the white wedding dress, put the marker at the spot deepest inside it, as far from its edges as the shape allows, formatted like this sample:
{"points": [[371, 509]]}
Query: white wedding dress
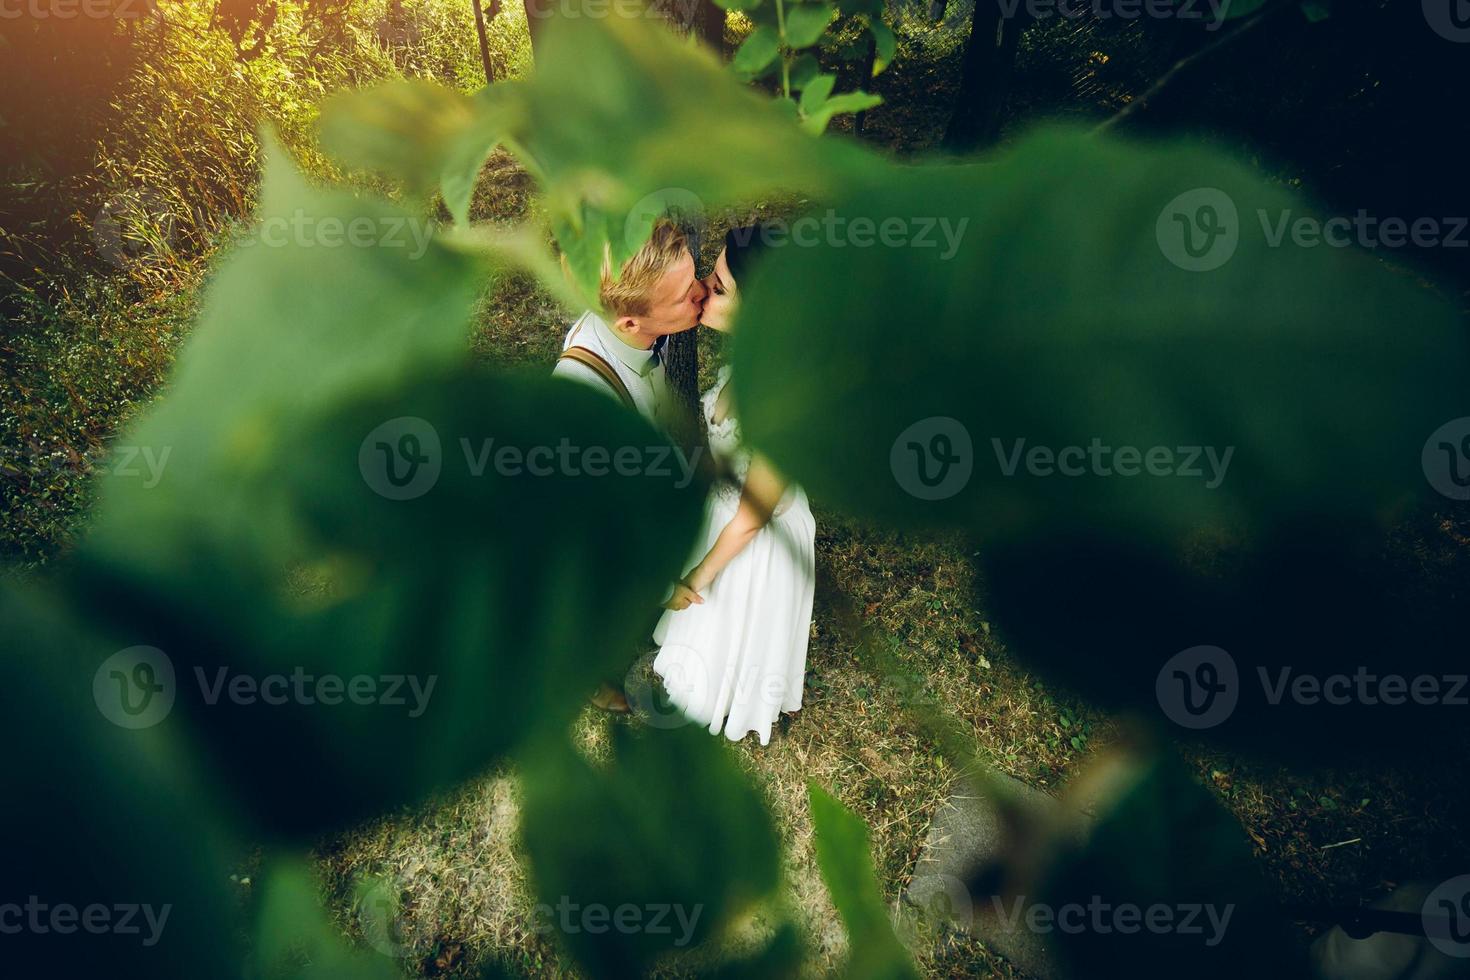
{"points": [[739, 660]]}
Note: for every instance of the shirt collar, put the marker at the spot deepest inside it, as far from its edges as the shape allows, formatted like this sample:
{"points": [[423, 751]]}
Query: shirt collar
{"points": [[636, 359]]}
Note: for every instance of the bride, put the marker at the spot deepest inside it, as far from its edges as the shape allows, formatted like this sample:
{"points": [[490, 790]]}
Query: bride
{"points": [[733, 641]]}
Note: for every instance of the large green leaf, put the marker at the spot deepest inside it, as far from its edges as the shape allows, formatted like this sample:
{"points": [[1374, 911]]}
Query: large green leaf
{"points": [[847, 869], [607, 148], [511, 594], [671, 828], [116, 854], [486, 595], [757, 52], [1064, 309], [294, 938], [423, 134], [1161, 886], [1040, 301], [805, 23], [820, 115]]}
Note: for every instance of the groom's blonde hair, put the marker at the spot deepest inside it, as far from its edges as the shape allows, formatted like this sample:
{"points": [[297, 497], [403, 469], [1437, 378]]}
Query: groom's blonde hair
{"points": [[631, 292]]}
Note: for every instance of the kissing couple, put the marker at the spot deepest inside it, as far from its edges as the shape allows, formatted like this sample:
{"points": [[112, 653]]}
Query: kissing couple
{"points": [[733, 635]]}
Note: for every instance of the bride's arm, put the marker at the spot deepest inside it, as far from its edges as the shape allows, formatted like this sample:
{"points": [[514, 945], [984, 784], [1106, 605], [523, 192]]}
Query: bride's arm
{"points": [[758, 499]]}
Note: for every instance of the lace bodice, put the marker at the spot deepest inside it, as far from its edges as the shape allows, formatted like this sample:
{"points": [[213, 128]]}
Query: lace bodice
{"points": [[730, 454], [724, 440]]}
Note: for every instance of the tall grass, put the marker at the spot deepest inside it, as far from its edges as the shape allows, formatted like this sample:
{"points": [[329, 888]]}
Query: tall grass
{"points": [[111, 213]]}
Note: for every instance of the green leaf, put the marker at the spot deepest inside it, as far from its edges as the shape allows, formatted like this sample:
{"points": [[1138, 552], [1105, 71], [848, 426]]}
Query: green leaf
{"points": [[1150, 812], [699, 847], [885, 44], [420, 133], [106, 808], [584, 243], [296, 939], [742, 6], [279, 426], [816, 93], [1060, 305], [1062, 249], [846, 864], [757, 53], [816, 121], [1316, 10], [609, 147], [805, 23], [803, 69], [1242, 8], [487, 577]]}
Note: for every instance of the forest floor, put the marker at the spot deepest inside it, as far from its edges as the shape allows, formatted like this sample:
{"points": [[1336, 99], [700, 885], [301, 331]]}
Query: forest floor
{"points": [[89, 361]]}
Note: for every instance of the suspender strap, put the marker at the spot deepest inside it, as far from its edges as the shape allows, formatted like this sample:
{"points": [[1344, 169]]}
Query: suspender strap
{"points": [[604, 370]]}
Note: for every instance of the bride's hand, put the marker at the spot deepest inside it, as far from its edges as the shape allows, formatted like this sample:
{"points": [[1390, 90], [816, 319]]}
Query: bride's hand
{"points": [[683, 597]]}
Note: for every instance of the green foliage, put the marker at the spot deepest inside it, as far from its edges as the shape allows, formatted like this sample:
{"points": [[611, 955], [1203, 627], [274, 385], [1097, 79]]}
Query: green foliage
{"points": [[596, 188], [1243, 8], [676, 829], [425, 135], [1052, 287], [295, 940], [1056, 313], [1161, 839], [277, 373], [102, 816], [847, 868], [1061, 318], [785, 30]]}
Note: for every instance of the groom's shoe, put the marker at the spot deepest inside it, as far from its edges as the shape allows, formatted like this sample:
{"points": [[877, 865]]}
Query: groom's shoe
{"points": [[609, 698]]}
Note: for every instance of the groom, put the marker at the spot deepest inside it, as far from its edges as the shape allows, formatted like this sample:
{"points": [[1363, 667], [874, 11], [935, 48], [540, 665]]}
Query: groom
{"points": [[618, 352]]}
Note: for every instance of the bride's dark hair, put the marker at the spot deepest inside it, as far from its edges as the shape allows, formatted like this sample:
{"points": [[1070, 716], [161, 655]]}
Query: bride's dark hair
{"points": [[744, 247]]}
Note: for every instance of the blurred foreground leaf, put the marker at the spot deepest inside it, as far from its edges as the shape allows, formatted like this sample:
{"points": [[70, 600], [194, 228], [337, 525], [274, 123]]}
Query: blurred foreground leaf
{"points": [[657, 851], [1163, 885], [846, 863], [115, 855], [375, 569], [1173, 453]]}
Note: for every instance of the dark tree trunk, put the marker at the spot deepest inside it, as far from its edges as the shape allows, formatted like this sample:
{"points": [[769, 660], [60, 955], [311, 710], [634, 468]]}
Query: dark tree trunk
{"points": [[985, 78], [480, 20], [861, 119], [681, 353], [709, 24]]}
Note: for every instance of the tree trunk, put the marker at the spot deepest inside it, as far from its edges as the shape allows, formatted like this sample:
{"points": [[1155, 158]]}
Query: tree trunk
{"points": [[709, 24], [985, 78], [681, 357], [861, 118], [480, 20]]}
